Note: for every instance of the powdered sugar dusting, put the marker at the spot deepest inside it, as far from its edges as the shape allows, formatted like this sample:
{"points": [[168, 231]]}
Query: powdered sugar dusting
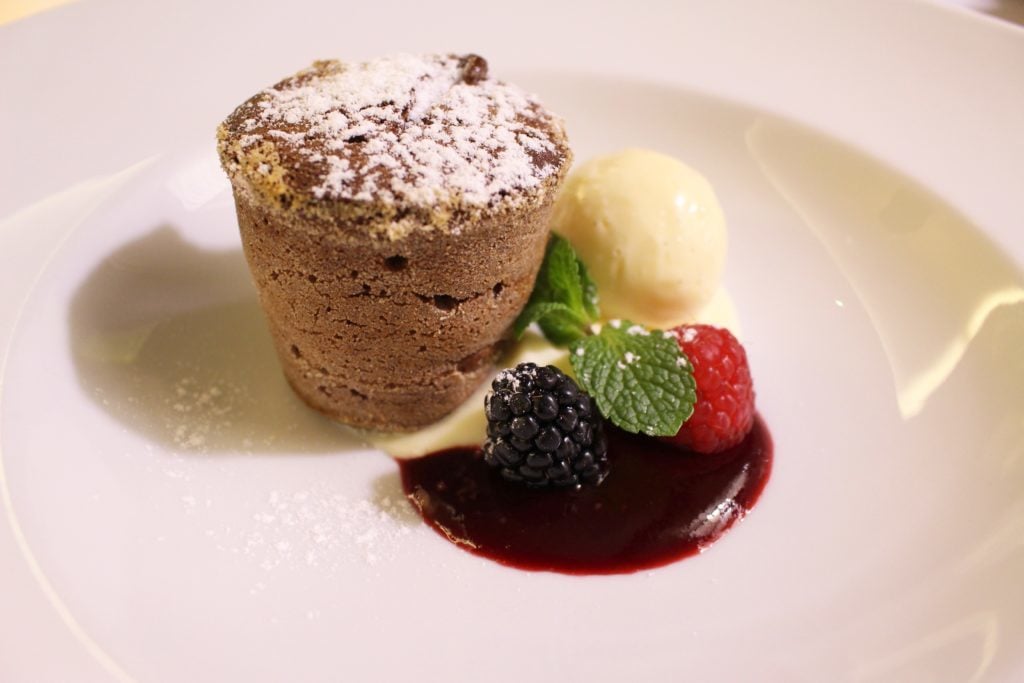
{"points": [[515, 378], [199, 411], [409, 129], [321, 528]]}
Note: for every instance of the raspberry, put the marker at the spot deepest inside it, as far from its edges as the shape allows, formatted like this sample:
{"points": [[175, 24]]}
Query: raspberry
{"points": [[724, 412], [542, 430]]}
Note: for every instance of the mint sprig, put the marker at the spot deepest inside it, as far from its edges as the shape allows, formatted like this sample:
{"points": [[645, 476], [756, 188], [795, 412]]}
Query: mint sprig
{"points": [[590, 299], [639, 378], [564, 298]]}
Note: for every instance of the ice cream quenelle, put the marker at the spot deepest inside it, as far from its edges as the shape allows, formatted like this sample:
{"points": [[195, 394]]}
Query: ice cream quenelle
{"points": [[651, 232]]}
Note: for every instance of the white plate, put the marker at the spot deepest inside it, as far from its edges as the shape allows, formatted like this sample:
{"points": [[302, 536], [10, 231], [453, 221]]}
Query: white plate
{"points": [[177, 515]]}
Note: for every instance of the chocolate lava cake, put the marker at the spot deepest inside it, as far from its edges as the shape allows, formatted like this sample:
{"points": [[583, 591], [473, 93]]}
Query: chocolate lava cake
{"points": [[394, 215]]}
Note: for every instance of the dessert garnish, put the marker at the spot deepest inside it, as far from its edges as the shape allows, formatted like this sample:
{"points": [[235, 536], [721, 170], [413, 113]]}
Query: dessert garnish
{"points": [[682, 455], [640, 378], [724, 411], [542, 430]]}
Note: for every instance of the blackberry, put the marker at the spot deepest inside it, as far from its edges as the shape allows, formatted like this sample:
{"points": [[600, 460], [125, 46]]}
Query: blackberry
{"points": [[542, 430]]}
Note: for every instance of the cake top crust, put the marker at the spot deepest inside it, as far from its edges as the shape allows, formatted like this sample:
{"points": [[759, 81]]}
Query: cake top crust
{"points": [[404, 131]]}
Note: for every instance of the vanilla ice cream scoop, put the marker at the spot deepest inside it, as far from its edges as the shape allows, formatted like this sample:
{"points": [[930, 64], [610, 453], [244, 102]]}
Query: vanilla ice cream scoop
{"points": [[651, 232]]}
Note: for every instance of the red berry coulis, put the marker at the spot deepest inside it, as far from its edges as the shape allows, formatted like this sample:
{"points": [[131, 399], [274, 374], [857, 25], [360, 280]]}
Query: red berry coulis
{"points": [[658, 505]]}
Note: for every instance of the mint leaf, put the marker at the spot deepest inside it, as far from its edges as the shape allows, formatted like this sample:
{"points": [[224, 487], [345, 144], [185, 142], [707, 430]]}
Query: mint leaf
{"points": [[590, 298], [560, 324], [564, 298], [640, 379], [559, 279]]}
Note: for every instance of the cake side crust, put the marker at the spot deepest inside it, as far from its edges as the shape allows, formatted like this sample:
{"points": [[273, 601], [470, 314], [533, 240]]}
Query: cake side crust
{"points": [[391, 335]]}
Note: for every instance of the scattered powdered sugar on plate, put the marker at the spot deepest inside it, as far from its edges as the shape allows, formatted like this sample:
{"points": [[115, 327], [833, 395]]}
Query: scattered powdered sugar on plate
{"points": [[317, 527], [199, 409], [321, 528], [406, 129]]}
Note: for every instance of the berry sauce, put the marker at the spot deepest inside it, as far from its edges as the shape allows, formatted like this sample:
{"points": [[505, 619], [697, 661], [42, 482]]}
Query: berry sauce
{"points": [[659, 504]]}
